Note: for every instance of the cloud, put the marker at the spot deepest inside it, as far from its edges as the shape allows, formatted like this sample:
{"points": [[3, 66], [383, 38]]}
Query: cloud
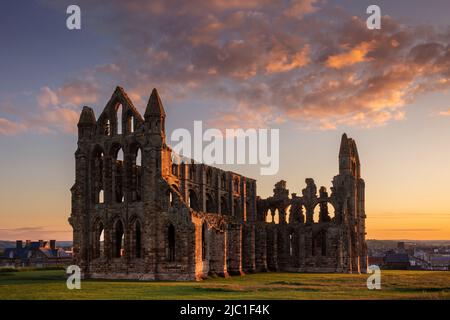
{"points": [[281, 61], [57, 111], [315, 71], [350, 57], [445, 113], [9, 128], [47, 97], [305, 61]]}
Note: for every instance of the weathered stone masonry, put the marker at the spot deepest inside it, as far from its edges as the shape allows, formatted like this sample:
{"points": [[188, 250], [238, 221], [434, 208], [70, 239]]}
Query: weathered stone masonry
{"points": [[137, 214]]}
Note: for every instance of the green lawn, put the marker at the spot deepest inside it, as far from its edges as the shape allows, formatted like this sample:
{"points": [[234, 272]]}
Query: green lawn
{"points": [[51, 284]]}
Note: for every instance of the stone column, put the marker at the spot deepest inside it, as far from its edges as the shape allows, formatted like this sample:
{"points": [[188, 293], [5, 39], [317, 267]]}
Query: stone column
{"points": [[234, 259], [272, 248], [248, 248], [260, 248], [218, 254]]}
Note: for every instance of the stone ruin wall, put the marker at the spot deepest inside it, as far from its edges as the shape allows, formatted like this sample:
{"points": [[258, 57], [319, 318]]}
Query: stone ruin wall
{"points": [[137, 213]]}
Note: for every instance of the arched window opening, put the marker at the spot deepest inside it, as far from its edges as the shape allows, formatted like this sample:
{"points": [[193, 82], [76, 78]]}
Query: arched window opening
{"points": [[119, 171], [171, 243], [99, 241], [107, 128], [119, 119], [331, 211], [138, 240], [137, 176], [323, 212], [119, 155], [296, 213], [170, 198], [102, 243], [288, 214], [193, 200], [98, 176], [119, 240], [269, 216], [130, 124], [316, 214], [204, 229], [276, 217], [101, 197], [139, 157]]}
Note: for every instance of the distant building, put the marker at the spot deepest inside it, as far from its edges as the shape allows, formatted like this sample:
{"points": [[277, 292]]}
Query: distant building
{"points": [[401, 246], [376, 258], [397, 261], [440, 262], [37, 254]]}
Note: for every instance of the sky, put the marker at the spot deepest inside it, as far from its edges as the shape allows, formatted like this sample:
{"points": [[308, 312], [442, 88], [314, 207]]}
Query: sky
{"points": [[309, 68]]}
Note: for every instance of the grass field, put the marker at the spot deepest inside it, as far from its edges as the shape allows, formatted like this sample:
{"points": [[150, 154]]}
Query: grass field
{"points": [[51, 284]]}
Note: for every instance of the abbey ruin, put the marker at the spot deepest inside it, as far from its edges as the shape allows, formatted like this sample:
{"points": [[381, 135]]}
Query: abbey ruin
{"points": [[137, 214]]}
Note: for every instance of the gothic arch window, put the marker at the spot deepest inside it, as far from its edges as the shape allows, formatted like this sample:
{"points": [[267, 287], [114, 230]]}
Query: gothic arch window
{"points": [[170, 199], [118, 175], [204, 230], [316, 214], [269, 216], [98, 172], [323, 212], [130, 124], [171, 243], [276, 216], [107, 128], [119, 240], [101, 196], [119, 110], [99, 233], [193, 200], [137, 175], [288, 214]]}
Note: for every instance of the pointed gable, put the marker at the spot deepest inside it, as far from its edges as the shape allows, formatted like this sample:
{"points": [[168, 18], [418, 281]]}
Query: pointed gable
{"points": [[87, 117], [119, 97], [154, 105]]}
